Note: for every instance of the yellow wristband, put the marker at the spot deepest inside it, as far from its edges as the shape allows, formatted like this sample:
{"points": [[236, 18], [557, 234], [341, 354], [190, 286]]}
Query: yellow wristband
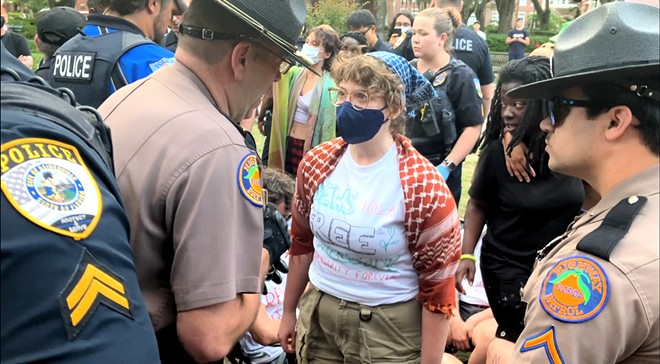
{"points": [[469, 256]]}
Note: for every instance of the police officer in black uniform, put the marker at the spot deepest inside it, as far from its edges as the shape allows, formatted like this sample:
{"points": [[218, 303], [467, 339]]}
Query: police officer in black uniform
{"points": [[69, 288]]}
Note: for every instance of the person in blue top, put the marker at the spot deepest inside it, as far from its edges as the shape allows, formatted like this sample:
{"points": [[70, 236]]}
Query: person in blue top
{"points": [[115, 49], [70, 292], [517, 39]]}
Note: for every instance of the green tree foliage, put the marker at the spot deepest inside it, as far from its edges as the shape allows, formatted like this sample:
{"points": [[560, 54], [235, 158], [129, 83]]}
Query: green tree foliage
{"points": [[331, 12]]}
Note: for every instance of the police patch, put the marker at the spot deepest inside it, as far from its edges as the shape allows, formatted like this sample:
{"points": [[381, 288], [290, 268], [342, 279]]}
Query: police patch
{"points": [[48, 183], [575, 290], [440, 79], [249, 180], [155, 66]]}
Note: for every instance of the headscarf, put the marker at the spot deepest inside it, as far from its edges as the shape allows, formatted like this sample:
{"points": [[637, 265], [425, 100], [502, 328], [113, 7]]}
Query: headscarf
{"points": [[418, 89]]}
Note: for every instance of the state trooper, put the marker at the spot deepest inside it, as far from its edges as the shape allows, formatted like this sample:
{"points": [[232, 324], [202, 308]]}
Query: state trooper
{"points": [[70, 292], [115, 49], [593, 296]]}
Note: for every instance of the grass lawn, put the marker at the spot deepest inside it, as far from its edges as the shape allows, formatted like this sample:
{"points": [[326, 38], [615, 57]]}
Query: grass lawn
{"points": [[468, 169]]}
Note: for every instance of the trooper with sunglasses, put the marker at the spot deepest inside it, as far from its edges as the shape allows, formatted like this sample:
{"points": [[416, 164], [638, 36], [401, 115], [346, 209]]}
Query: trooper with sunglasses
{"points": [[192, 187], [593, 296]]}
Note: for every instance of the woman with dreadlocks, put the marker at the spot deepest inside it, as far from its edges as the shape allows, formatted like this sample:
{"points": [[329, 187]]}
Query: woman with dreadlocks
{"points": [[521, 217]]}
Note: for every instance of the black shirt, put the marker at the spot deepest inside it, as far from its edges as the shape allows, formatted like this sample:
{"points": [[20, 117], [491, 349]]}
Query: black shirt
{"points": [[403, 46], [522, 217], [43, 70], [470, 48], [381, 46], [16, 44]]}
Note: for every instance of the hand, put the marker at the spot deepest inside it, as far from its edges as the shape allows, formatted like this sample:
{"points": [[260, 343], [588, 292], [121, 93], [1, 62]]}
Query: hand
{"points": [[287, 332], [517, 164], [393, 39], [443, 170], [465, 267], [460, 334]]}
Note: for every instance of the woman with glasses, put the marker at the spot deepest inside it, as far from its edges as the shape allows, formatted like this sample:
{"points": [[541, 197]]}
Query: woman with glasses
{"points": [[401, 24], [375, 230], [459, 104], [521, 217], [303, 115]]}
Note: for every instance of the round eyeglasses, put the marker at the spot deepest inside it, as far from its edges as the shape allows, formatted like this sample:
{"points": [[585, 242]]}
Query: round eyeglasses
{"points": [[358, 99]]}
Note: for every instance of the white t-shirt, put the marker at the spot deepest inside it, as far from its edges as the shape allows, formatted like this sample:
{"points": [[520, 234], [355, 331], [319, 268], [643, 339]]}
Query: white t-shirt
{"points": [[360, 248], [476, 293], [274, 302]]}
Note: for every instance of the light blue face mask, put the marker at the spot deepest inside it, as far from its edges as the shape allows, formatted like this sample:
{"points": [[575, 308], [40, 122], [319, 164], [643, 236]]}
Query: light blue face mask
{"points": [[311, 52]]}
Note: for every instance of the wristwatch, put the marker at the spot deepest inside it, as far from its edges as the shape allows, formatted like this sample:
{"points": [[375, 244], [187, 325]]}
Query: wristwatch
{"points": [[449, 164]]}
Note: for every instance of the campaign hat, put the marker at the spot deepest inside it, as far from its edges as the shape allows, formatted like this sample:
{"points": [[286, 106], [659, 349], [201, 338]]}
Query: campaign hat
{"points": [[279, 22], [60, 24], [613, 43]]}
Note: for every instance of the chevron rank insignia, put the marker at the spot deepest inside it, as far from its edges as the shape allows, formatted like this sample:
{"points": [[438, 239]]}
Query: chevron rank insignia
{"points": [[90, 285], [48, 183]]}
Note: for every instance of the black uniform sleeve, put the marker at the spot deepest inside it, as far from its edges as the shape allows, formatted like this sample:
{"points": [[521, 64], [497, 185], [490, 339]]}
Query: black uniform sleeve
{"points": [[485, 72], [464, 96]]}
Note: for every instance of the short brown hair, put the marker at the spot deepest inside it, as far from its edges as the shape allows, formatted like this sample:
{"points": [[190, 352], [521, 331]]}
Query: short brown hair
{"points": [[372, 74]]}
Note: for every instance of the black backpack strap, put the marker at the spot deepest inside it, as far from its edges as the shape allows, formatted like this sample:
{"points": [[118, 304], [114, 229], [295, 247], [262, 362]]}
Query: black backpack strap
{"points": [[128, 41], [614, 227], [87, 125]]}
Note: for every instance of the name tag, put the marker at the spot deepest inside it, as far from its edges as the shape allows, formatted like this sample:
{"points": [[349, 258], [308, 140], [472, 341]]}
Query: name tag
{"points": [[73, 66]]}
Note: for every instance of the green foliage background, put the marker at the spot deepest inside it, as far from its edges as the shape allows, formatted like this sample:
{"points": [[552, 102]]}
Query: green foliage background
{"points": [[331, 12]]}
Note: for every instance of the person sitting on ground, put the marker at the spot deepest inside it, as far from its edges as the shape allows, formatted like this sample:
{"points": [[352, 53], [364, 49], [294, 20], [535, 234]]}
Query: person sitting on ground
{"points": [[257, 344]]}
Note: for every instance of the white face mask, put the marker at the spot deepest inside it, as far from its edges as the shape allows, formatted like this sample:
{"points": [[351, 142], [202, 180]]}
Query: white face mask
{"points": [[311, 52], [404, 29]]}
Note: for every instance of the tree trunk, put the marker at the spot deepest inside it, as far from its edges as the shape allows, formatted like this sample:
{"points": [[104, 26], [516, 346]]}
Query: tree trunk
{"points": [[479, 12], [542, 15], [505, 9], [380, 12], [468, 7]]}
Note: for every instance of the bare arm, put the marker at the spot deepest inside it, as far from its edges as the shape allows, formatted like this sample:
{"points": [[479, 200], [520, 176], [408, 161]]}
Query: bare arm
{"points": [[525, 41], [475, 219], [510, 40], [209, 333], [487, 93], [296, 282], [465, 143], [28, 61], [264, 329], [435, 328]]}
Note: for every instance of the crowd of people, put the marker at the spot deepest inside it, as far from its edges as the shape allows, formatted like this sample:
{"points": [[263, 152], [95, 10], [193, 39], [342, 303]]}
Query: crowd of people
{"points": [[142, 223]]}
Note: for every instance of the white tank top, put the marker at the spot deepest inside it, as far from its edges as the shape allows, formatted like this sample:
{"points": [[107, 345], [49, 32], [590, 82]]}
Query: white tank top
{"points": [[302, 108]]}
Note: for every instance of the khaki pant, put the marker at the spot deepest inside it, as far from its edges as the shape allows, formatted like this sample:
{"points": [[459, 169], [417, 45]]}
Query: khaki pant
{"points": [[330, 330]]}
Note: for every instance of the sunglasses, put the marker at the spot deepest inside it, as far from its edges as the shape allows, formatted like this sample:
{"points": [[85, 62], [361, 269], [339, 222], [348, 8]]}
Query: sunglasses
{"points": [[554, 105]]}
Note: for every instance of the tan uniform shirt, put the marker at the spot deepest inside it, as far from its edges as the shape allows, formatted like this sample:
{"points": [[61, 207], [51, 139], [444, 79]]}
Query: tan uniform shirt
{"points": [[583, 309], [192, 193]]}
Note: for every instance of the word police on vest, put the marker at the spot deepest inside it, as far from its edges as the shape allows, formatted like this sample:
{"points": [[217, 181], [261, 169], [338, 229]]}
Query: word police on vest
{"points": [[73, 66]]}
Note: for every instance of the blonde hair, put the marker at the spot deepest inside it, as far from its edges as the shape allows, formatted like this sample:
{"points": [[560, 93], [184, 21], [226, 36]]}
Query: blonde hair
{"points": [[445, 20], [372, 74]]}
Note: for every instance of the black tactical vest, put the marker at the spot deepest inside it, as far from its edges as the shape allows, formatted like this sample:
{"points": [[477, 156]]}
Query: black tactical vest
{"points": [[88, 65], [433, 129]]}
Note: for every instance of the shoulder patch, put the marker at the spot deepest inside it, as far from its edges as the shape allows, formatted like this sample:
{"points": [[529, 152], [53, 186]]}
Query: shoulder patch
{"points": [[477, 85], [155, 66], [576, 289], [546, 339], [49, 184], [399, 41], [91, 284], [249, 180], [440, 79]]}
